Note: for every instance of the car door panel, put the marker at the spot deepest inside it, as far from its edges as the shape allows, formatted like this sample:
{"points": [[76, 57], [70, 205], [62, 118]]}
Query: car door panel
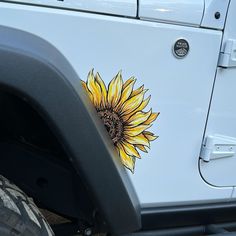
{"points": [[221, 121]]}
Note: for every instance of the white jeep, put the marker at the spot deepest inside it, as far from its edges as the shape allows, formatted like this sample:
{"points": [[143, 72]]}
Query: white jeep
{"points": [[117, 117]]}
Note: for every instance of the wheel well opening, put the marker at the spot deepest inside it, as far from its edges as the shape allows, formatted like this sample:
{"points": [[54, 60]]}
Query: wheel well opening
{"points": [[32, 157], [20, 123]]}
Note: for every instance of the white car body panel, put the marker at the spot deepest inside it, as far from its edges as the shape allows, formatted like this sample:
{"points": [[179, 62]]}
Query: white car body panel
{"points": [[211, 8], [221, 172], [178, 11], [230, 29], [180, 88], [114, 7]]}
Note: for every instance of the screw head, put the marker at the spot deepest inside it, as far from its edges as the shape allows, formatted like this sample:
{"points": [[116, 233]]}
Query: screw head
{"points": [[217, 15]]}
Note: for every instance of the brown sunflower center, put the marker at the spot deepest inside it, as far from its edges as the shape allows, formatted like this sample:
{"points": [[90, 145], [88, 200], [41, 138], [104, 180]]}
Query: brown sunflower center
{"points": [[113, 124]]}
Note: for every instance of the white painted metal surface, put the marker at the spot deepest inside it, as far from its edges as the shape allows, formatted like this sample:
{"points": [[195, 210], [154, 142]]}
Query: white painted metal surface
{"points": [[213, 10], [222, 114], [222, 121], [115, 7], [180, 88], [177, 11], [230, 29]]}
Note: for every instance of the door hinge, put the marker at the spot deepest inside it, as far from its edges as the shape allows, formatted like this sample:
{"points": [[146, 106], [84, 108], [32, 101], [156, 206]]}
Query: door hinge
{"points": [[217, 147], [227, 58]]}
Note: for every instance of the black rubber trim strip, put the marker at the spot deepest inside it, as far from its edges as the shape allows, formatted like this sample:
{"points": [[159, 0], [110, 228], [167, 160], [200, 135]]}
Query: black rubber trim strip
{"points": [[38, 73], [225, 234], [225, 229], [154, 218], [186, 231]]}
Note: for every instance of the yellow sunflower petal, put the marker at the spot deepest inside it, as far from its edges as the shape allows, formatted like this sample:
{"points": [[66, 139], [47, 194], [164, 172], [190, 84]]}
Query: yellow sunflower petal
{"points": [[143, 104], [140, 108], [128, 161], [138, 118], [138, 140], [129, 81], [86, 90], [132, 103], [152, 117], [130, 149], [141, 147], [95, 89], [126, 91], [103, 89], [137, 91], [133, 131], [150, 136], [148, 132], [114, 90]]}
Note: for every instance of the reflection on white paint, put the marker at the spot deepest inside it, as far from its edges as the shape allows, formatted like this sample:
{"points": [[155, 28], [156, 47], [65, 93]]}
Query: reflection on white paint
{"points": [[179, 11], [162, 10]]}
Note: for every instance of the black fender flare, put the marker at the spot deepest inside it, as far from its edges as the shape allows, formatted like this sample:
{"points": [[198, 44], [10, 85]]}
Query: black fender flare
{"points": [[36, 71]]}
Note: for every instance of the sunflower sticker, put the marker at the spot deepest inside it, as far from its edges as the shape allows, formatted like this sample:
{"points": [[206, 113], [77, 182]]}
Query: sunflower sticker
{"points": [[120, 107]]}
